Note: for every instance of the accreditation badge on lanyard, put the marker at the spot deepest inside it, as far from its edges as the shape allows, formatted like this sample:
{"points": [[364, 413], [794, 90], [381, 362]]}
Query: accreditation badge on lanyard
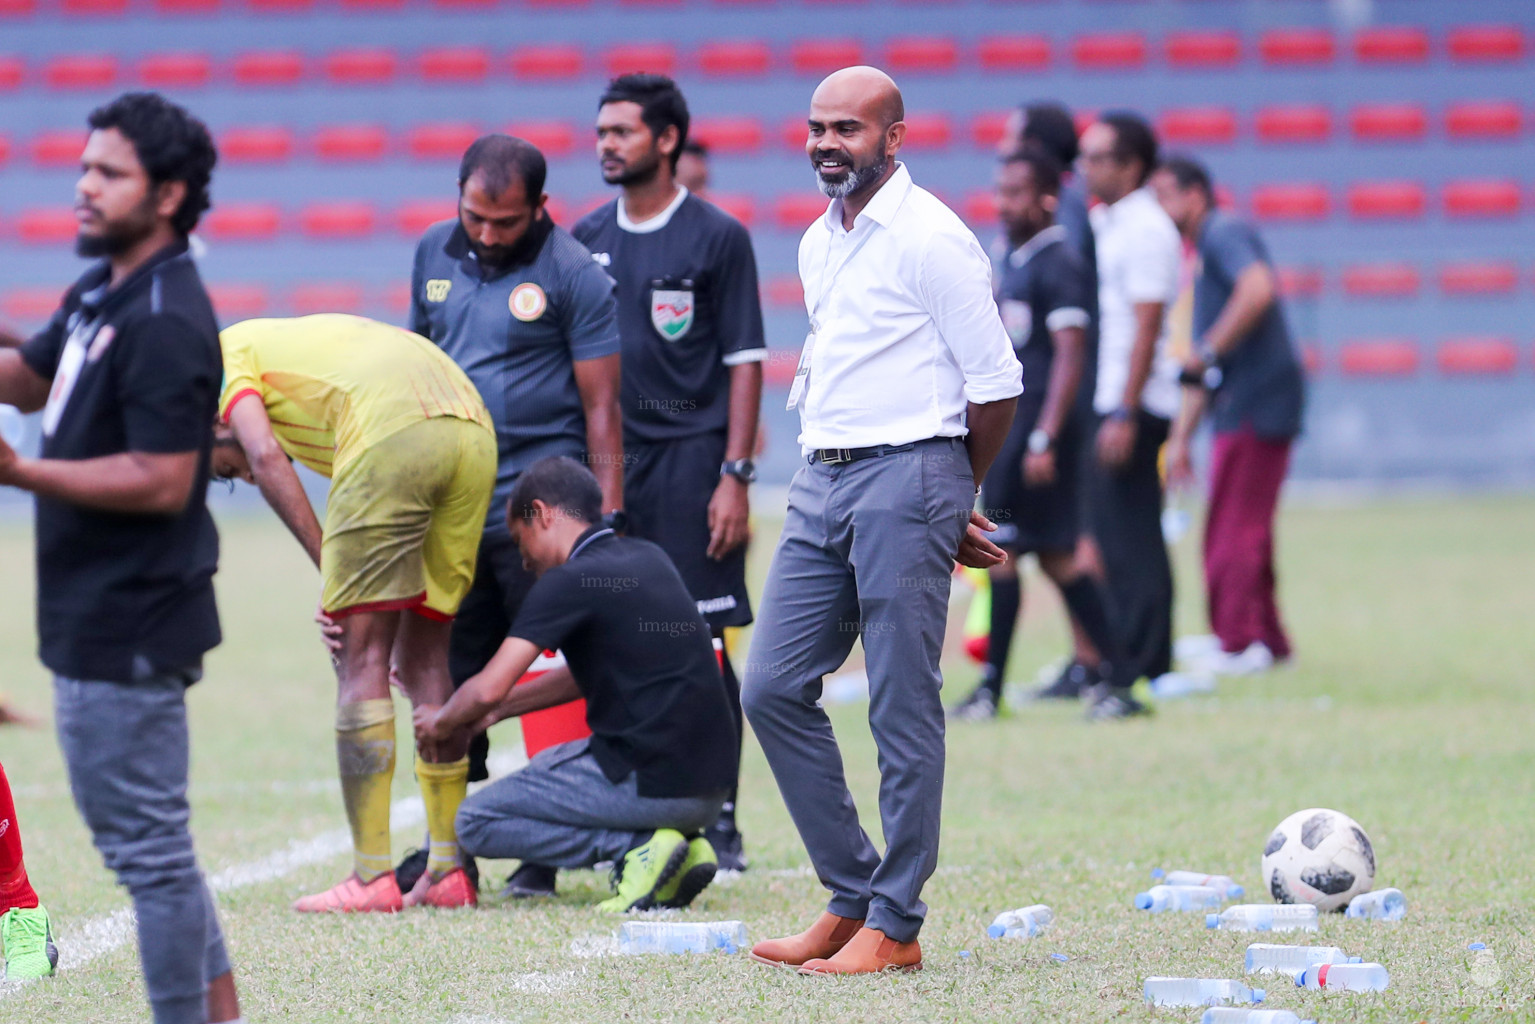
{"points": [[71, 362], [802, 371]]}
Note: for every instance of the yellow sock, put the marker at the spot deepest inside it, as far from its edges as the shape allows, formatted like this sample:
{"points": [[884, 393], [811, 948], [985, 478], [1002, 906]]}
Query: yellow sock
{"points": [[442, 789], [365, 754]]}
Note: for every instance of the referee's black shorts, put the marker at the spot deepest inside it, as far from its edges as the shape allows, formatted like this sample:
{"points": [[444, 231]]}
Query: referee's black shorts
{"points": [[1034, 519], [667, 488]]}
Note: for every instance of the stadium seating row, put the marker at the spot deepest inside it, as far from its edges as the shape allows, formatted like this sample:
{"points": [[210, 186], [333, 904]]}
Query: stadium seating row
{"points": [[745, 58]]}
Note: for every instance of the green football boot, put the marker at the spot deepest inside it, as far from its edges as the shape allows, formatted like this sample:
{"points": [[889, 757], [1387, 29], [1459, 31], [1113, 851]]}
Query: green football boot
{"points": [[644, 870], [27, 937], [693, 877]]}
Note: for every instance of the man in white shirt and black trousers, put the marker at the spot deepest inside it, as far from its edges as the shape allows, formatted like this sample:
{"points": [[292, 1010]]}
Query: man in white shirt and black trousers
{"points": [[906, 389]]}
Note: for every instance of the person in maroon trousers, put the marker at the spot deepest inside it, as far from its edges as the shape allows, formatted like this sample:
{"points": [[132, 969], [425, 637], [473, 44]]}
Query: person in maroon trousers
{"points": [[1243, 371]]}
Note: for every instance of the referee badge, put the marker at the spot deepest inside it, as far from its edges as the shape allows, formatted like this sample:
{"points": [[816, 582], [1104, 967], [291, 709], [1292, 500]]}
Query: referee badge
{"points": [[671, 312], [528, 302], [1018, 319]]}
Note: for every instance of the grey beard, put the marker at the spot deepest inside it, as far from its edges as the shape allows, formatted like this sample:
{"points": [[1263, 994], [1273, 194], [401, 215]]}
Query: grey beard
{"points": [[856, 179]]}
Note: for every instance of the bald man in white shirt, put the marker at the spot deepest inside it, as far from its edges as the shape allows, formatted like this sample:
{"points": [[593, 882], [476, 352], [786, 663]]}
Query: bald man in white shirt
{"points": [[906, 389]]}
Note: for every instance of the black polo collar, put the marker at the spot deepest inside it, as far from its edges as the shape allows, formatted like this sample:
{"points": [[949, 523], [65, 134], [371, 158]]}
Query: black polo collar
{"points": [[98, 295]]}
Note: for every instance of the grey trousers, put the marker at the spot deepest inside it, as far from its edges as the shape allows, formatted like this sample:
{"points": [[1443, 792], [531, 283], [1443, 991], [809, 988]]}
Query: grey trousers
{"points": [[867, 551], [126, 749], [561, 810]]}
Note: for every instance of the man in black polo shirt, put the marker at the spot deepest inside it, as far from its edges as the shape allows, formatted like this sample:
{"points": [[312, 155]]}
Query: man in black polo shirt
{"points": [[690, 319], [127, 373], [662, 754], [521, 307]]}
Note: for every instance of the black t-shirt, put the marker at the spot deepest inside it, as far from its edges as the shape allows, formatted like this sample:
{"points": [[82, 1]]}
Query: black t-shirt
{"points": [[1262, 386], [688, 309], [135, 368], [643, 659], [1042, 287]]}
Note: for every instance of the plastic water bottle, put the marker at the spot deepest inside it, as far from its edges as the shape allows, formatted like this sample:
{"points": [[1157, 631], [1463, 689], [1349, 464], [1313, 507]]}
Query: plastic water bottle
{"points": [[1199, 992], [1344, 977], [1261, 917], [681, 937], [1243, 1015], [1024, 923], [1380, 905], [1221, 882], [1265, 958], [1160, 898]]}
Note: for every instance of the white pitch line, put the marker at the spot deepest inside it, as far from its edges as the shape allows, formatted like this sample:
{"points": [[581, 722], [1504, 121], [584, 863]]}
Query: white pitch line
{"points": [[95, 937]]}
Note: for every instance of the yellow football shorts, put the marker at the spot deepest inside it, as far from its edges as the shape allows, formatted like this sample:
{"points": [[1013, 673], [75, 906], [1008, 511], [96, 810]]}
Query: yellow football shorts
{"points": [[404, 519]]}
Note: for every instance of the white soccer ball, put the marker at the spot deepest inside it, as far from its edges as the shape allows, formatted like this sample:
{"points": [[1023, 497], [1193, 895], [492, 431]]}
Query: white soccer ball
{"points": [[1320, 857]]}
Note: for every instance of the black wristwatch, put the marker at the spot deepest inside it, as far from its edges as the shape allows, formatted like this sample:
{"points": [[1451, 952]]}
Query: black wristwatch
{"points": [[617, 521], [744, 470]]}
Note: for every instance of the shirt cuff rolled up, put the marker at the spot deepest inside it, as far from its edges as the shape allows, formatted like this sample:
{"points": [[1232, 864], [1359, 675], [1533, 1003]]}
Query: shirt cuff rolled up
{"points": [[981, 389]]}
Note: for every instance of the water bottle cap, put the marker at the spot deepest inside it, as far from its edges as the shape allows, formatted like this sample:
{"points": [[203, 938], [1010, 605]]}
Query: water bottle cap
{"points": [[1236, 892], [1212, 920], [996, 931], [1158, 873], [1259, 994], [1143, 901], [1304, 976], [1477, 945], [1356, 959]]}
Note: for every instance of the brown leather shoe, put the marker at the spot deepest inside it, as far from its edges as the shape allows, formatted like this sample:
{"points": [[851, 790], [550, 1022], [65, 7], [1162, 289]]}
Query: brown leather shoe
{"points": [[869, 952], [824, 938]]}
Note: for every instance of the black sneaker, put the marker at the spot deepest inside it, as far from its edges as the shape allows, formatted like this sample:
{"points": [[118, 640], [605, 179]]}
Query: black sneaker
{"points": [[1105, 702], [729, 852], [980, 706], [413, 865], [529, 881], [1073, 681]]}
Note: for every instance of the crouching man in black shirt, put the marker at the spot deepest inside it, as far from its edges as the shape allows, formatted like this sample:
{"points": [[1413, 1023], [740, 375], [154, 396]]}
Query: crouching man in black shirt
{"points": [[662, 755]]}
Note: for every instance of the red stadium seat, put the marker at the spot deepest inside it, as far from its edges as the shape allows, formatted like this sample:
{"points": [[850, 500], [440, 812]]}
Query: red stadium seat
{"points": [[1311, 359], [1492, 119], [30, 305], [279, 6], [1478, 278], [1482, 198], [5, 149], [256, 145], [453, 64], [396, 298], [1388, 122], [557, 3], [1203, 49], [325, 297], [823, 56], [372, 5], [184, 7], [1391, 44], [979, 208], [1381, 279], [243, 221], [651, 3], [1198, 126], [557, 209], [1304, 47], [547, 62], [1385, 357], [467, 4], [1487, 44], [342, 220], [361, 67], [12, 72], [741, 206], [413, 218], [783, 290], [81, 71], [778, 369], [445, 141], [921, 55], [728, 134], [1109, 51], [1293, 124], [1014, 53], [987, 129], [796, 211], [795, 132], [929, 131], [1477, 357], [1298, 201], [176, 70], [660, 58], [269, 67], [57, 149], [347, 143], [1387, 200], [234, 302], [1300, 282], [735, 58], [46, 225], [553, 138], [95, 8], [17, 8]]}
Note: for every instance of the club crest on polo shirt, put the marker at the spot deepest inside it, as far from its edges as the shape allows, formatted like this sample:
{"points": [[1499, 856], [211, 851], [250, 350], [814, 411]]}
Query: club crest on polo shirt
{"points": [[437, 289], [671, 312], [1018, 319], [528, 302]]}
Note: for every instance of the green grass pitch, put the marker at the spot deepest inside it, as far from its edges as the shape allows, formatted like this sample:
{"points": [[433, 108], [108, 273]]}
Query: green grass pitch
{"points": [[1411, 708]]}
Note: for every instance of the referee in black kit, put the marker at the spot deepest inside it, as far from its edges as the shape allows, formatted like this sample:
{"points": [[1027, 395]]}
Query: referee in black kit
{"points": [[690, 320]]}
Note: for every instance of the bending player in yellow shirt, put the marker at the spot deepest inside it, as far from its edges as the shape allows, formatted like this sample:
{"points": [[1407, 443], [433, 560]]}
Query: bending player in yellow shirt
{"points": [[411, 453]]}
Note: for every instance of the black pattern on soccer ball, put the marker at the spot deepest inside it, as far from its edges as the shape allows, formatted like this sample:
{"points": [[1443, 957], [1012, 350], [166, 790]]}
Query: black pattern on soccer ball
{"points": [[1276, 841], [1365, 848], [1317, 828], [1330, 879], [1278, 889]]}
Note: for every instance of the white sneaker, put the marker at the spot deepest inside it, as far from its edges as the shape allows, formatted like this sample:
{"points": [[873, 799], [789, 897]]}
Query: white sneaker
{"points": [[1255, 660], [1197, 647]]}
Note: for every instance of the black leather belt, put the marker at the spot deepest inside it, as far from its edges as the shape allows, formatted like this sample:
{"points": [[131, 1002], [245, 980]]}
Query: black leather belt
{"points": [[833, 456]]}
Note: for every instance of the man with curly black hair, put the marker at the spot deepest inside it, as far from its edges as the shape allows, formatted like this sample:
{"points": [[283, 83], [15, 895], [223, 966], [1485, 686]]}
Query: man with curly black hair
{"points": [[127, 375]]}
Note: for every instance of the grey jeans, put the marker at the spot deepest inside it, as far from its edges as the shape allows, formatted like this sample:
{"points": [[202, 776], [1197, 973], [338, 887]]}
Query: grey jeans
{"points": [[562, 811], [126, 749], [867, 550]]}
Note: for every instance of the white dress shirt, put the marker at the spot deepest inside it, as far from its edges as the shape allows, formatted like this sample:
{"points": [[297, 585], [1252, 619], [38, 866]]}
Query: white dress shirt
{"points": [[904, 328], [1139, 259]]}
